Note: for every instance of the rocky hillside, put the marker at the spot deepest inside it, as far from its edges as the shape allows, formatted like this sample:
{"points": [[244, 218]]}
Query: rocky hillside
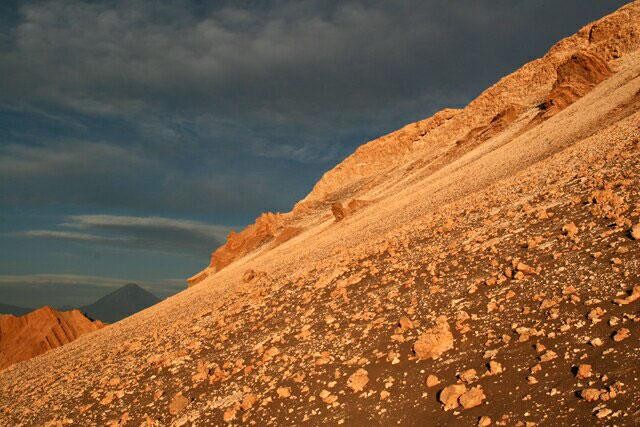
{"points": [[39, 331], [480, 267], [526, 98]]}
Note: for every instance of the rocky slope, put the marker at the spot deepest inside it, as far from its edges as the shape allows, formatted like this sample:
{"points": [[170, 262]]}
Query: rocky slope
{"points": [[39, 331], [524, 99], [481, 267]]}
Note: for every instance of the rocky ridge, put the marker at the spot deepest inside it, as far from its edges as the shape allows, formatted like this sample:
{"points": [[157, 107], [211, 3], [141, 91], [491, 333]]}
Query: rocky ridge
{"points": [[39, 331], [523, 99]]}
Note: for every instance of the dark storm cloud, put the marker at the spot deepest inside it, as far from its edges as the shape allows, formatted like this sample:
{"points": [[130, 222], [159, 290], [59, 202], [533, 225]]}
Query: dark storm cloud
{"points": [[278, 64], [128, 57], [212, 90]]}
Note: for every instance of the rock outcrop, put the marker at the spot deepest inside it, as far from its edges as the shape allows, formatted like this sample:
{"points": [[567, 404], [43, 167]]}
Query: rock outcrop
{"points": [[239, 244], [39, 331], [578, 75]]}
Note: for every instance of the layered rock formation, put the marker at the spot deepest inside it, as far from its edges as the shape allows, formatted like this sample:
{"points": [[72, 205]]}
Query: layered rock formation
{"points": [[576, 76], [39, 331]]}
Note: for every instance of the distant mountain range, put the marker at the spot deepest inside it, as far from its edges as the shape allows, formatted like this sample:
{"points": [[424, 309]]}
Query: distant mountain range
{"points": [[120, 303], [117, 305], [15, 310]]}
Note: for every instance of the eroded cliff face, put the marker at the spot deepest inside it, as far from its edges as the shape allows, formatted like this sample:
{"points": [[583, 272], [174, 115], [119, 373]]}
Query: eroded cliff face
{"points": [[516, 103], [266, 229], [24, 337], [576, 77]]}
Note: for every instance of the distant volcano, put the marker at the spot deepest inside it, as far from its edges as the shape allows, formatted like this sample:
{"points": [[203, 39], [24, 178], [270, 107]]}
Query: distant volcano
{"points": [[120, 303]]}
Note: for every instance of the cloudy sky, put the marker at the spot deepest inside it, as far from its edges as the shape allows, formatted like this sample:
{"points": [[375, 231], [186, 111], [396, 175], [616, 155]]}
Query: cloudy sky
{"points": [[135, 134]]}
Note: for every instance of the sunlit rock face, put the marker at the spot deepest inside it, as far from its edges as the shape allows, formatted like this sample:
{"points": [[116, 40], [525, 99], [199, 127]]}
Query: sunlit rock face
{"points": [[24, 337]]}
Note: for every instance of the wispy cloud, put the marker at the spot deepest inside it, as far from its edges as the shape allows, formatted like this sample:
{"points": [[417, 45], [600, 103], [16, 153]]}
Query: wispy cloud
{"points": [[63, 279], [111, 175], [119, 222], [77, 157], [79, 279], [138, 233], [73, 236]]}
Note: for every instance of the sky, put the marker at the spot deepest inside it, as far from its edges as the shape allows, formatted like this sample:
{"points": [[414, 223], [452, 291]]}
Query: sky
{"points": [[134, 135]]}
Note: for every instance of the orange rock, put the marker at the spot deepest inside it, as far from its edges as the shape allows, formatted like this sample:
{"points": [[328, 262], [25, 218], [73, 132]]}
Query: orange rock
{"points": [[468, 376], [548, 356], [284, 392], [472, 398], [24, 337], [590, 394], [576, 76], [524, 268], [449, 395], [495, 368], [239, 244], [248, 401], [177, 404], [358, 380], [570, 229], [432, 380], [435, 341], [339, 212], [229, 414], [248, 275], [621, 334], [584, 372], [405, 323], [635, 295]]}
